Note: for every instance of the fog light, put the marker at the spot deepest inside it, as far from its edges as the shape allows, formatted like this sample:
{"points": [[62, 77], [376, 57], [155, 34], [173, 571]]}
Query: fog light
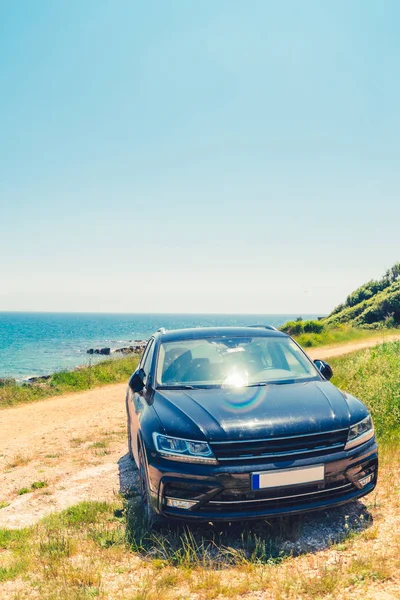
{"points": [[176, 503], [366, 480]]}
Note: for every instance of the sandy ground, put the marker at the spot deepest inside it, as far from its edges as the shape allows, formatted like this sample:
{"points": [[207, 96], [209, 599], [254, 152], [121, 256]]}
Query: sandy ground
{"points": [[76, 444]]}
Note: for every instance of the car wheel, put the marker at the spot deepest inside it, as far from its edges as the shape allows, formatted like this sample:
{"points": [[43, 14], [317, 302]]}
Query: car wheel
{"points": [[130, 441], [151, 518], [128, 426]]}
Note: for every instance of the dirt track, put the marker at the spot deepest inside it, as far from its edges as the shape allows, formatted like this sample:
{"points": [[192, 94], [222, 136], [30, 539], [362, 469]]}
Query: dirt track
{"points": [[340, 349], [76, 444]]}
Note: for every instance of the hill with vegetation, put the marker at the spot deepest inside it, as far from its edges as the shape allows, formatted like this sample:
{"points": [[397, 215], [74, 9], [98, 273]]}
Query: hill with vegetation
{"points": [[374, 305]]}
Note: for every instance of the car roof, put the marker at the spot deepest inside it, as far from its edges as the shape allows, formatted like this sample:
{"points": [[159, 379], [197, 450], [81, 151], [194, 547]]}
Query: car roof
{"points": [[202, 332]]}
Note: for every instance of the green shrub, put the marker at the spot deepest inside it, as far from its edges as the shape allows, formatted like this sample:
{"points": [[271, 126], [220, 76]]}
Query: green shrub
{"points": [[313, 327], [293, 327]]}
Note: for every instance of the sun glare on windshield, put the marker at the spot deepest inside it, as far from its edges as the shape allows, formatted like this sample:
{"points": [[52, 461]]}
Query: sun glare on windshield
{"points": [[236, 379]]}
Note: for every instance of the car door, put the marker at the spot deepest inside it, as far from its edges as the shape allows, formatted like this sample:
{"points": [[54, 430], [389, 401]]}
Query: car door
{"points": [[138, 399]]}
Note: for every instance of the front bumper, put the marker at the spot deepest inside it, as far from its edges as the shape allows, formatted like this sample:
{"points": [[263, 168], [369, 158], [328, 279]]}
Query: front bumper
{"points": [[223, 493]]}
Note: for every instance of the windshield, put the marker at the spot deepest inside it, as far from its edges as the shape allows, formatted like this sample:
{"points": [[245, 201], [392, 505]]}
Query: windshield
{"points": [[232, 362]]}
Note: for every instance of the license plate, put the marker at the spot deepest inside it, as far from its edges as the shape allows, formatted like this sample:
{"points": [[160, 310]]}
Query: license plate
{"points": [[282, 477]]}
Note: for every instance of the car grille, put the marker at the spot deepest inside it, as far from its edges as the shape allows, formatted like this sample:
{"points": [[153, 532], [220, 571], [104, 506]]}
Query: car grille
{"points": [[314, 444], [225, 503]]}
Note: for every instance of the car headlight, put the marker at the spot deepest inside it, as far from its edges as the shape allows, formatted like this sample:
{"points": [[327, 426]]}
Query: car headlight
{"points": [[186, 450], [360, 433]]}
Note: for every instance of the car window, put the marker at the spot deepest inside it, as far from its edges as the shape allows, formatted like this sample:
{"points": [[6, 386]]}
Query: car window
{"points": [[147, 359], [293, 355], [145, 353], [232, 362]]}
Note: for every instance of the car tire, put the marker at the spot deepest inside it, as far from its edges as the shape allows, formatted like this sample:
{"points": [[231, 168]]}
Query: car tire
{"points": [[128, 426], [150, 517]]}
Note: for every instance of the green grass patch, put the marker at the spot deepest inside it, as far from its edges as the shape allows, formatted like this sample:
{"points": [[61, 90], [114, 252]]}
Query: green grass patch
{"points": [[54, 545], [373, 376], [101, 444], [103, 373], [85, 513], [37, 485], [13, 571], [41, 553], [108, 536], [14, 539]]}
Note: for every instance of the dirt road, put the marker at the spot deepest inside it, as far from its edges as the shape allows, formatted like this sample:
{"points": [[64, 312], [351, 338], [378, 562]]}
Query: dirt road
{"points": [[75, 446], [325, 352]]}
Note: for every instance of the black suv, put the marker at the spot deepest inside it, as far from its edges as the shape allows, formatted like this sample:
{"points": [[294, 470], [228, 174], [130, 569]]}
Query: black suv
{"points": [[239, 423]]}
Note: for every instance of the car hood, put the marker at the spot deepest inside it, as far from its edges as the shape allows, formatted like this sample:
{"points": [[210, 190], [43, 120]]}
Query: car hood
{"points": [[271, 410]]}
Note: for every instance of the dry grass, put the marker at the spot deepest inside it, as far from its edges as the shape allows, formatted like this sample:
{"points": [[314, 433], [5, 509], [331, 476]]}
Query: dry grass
{"points": [[19, 460]]}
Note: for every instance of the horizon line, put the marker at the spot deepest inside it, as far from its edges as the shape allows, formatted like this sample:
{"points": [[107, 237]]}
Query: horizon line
{"points": [[77, 312]]}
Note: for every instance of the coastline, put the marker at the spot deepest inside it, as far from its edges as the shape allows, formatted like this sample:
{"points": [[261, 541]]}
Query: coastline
{"points": [[39, 344], [101, 354], [106, 372]]}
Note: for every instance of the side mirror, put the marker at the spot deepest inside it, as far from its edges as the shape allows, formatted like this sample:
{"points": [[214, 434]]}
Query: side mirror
{"points": [[136, 382], [324, 369]]}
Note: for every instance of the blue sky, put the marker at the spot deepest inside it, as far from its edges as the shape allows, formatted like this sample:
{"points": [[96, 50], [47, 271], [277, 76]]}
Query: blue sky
{"points": [[197, 156]]}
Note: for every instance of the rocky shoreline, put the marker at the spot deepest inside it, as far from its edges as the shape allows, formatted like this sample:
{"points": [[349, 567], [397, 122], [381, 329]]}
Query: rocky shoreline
{"points": [[137, 347]]}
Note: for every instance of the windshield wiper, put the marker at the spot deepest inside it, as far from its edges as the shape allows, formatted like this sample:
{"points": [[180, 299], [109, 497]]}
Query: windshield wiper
{"points": [[205, 386], [175, 387], [272, 382]]}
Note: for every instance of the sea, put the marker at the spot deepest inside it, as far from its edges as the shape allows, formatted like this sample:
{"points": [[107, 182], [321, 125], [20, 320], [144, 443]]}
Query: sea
{"points": [[33, 344]]}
